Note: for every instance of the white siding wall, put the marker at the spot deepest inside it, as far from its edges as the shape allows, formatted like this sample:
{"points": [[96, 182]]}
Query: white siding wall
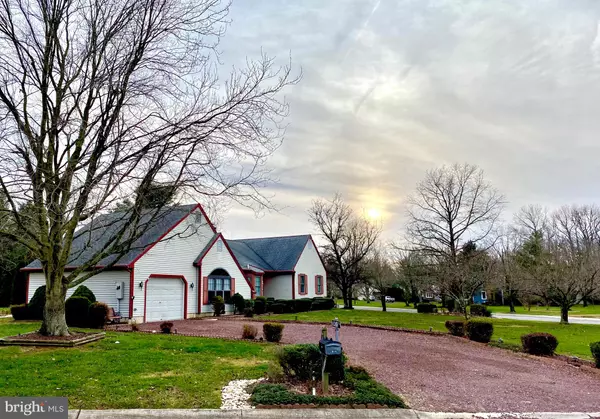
{"points": [[174, 256], [279, 286], [223, 260], [310, 265], [102, 285]]}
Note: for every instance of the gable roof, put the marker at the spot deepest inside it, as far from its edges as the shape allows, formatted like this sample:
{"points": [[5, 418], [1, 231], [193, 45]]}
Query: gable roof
{"points": [[269, 253], [99, 233]]}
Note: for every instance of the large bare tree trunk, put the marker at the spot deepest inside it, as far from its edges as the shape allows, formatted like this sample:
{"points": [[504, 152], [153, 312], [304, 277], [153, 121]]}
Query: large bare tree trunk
{"points": [[54, 322], [564, 314], [383, 306]]}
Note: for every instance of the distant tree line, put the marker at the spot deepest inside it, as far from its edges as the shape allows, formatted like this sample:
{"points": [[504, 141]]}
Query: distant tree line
{"points": [[455, 245]]}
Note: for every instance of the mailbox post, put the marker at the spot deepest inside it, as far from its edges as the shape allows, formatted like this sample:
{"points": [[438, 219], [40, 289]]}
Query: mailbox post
{"points": [[329, 347]]}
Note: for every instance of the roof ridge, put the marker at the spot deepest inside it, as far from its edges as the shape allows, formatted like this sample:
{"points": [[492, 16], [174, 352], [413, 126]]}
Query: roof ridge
{"points": [[272, 237]]}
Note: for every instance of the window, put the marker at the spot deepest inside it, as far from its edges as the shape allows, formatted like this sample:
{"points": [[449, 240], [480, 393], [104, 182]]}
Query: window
{"points": [[483, 295], [319, 286], [257, 286], [220, 246], [429, 295], [302, 284], [219, 286]]}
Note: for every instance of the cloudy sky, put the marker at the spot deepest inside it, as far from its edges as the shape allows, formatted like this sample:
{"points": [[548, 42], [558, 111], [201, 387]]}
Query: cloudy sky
{"points": [[392, 88]]}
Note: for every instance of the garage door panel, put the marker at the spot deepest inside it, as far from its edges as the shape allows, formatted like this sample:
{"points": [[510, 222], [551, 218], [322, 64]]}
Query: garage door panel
{"points": [[164, 299]]}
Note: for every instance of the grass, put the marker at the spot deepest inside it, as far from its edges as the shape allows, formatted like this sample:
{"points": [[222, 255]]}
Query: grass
{"points": [[140, 371], [576, 311], [574, 339], [4, 311], [397, 304]]}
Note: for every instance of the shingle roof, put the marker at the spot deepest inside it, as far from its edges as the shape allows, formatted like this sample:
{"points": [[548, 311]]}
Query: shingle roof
{"points": [[269, 253], [101, 231]]}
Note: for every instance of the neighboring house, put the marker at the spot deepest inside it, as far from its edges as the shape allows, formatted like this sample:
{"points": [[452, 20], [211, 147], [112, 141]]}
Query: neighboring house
{"points": [[480, 297], [180, 262]]}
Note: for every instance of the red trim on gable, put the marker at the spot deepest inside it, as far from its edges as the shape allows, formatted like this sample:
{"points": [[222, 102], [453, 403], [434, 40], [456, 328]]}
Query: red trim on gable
{"points": [[200, 257], [27, 289], [318, 254], [168, 276], [199, 290], [220, 236], [131, 293]]}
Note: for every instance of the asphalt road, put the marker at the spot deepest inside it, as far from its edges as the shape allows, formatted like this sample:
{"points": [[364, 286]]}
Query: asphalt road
{"points": [[525, 317]]}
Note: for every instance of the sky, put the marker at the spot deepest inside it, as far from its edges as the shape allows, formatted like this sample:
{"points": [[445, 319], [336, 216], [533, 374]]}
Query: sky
{"points": [[393, 88]]}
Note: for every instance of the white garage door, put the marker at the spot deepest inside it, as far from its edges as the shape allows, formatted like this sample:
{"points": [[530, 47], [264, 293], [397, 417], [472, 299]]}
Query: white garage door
{"points": [[164, 299]]}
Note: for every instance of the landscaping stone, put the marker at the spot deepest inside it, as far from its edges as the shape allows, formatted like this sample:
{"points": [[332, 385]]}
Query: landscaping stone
{"points": [[235, 396]]}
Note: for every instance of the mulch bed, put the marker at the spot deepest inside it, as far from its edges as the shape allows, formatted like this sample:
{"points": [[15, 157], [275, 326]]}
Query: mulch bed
{"points": [[37, 339], [305, 387]]}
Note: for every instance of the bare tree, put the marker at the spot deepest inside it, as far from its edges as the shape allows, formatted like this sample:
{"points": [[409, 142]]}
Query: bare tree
{"points": [[100, 99], [508, 275], [349, 239], [414, 274], [454, 208], [380, 274]]}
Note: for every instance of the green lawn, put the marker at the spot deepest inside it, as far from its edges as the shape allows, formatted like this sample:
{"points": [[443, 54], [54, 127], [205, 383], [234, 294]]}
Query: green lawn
{"points": [[574, 339], [141, 371], [579, 310], [398, 304]]}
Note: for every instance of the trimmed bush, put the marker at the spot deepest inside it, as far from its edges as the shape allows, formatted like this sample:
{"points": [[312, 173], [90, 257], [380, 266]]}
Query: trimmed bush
{"points": [[320, 303], [278, 308], [83, 291], [239, 304], [289, 306], [450, 304], [249, 331], [20, 312], [595, 348], [426, 308], [248, 312], [77, 311], [302, 305], [249, 303], [539, 343], [98, 315], [479, 310], [260, 305], [218, 305], [166, 327], [455, 327], [37, 303], [304, 361], [273, 331], [480, 330]]}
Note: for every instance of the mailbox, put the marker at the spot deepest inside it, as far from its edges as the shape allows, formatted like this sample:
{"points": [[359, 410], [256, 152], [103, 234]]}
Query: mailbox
{"points": [[330, 347]]}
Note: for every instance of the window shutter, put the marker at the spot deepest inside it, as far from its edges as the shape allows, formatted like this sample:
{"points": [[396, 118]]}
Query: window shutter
{"points": [[205, 290], [232, 286]]}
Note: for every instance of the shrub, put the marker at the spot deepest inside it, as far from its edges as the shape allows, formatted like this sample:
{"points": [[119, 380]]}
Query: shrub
{"points": [[289, 306], [480, 310], [479, 330], [77, 311], [278, 308], [166, 327], [275, 372], [20, 312], [450, 304], [304, 361], [37, 303], [426, 308], [595, 348], [239, 304], [83, 291], [302, 305], [260, 305], [273, 331], [98, 315], [134, 326], [456, 327], [249, 331], [320, 303], [218, 305], [248, 312], [249, 303], [539, 343]]}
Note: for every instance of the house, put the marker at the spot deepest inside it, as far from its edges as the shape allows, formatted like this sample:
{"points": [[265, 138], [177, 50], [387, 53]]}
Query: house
{"points": [[180, 262]]}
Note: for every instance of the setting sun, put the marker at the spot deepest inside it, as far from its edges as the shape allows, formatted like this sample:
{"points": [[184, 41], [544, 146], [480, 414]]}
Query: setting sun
{"points": [[373, 213]]}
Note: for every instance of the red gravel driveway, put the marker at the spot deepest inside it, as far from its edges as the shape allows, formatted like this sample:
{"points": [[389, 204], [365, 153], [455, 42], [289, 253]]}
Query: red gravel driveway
{"points": [[443, 373]]}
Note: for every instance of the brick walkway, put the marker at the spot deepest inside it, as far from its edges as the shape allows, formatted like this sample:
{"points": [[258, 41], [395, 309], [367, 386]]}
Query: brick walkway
{"points": [[443, 373]]}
